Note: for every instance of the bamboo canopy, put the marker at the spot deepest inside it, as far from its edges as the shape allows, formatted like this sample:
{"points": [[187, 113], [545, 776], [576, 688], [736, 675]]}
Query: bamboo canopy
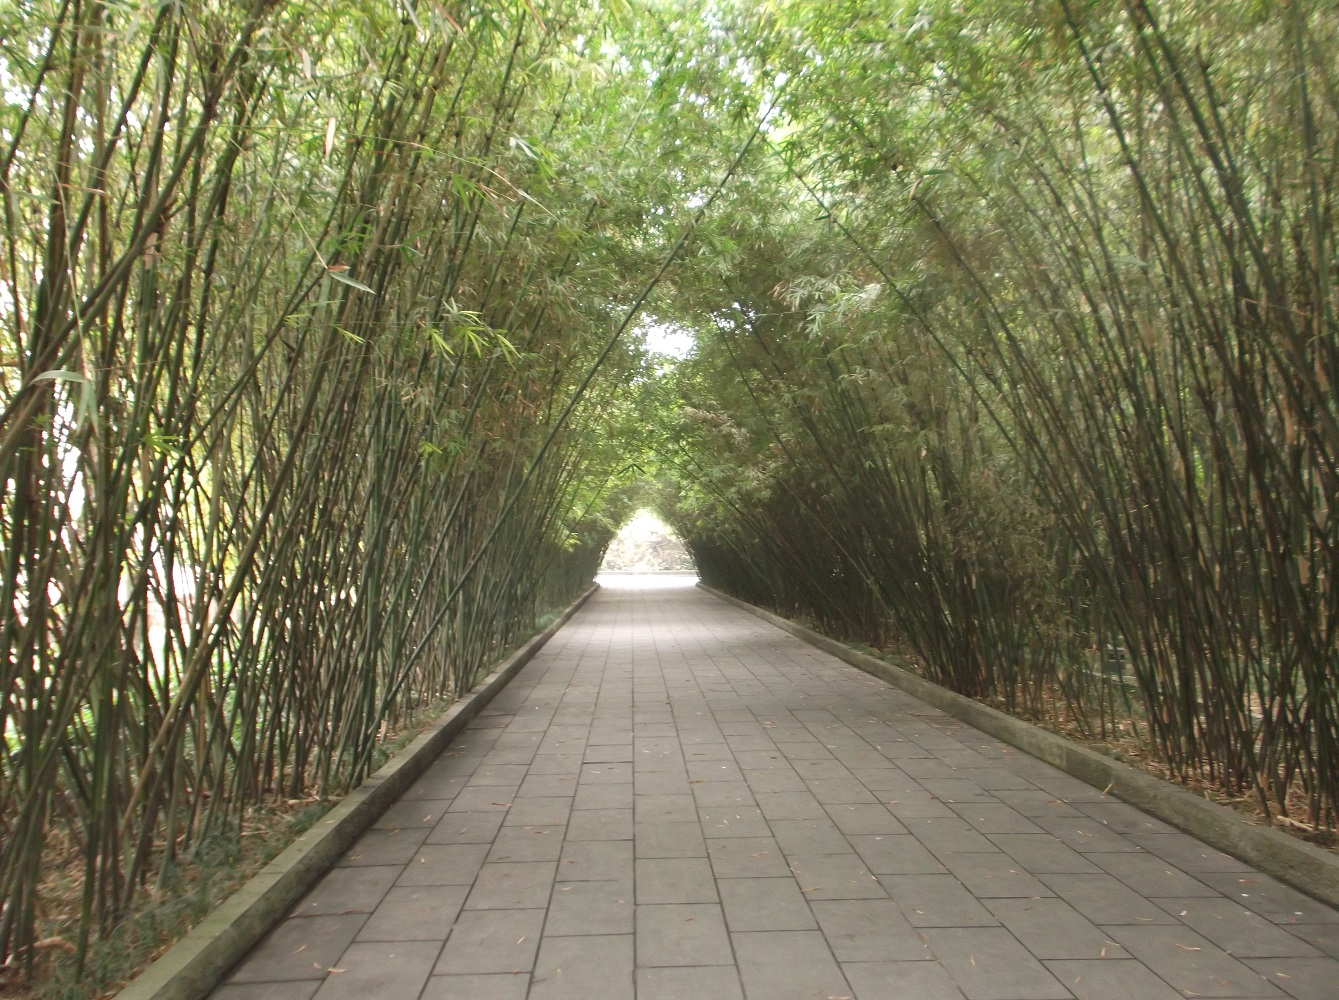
{"points": [[324, 374]]}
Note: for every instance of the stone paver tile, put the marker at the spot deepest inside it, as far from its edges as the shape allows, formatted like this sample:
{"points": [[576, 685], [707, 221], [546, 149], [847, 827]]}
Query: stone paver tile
{"points": [[1042, 853], [896, 855], [541, 810], [790, 805], [946, 834], [701, 983], [835, 876], [669, 840], [596, 860], [675, 880], [995, 817], [412, 813], [299, 948], [466, 828], [990, 874], [840, 791], [583, 968], [809, 836], [764, 904], [419, 913], [1085, 834], [733, 821], [1037, 803], [347, 890], [900, 981], [788, 965], [723, 793], [498, 774], [600, 824], [444, 864], [606, 774], [1103, 980], [664, 808], [715, 772], [603, 797], [1187, 853], [864, 818], [501, 986], [775, 779], [527, 843], [1104, 900], [433, 784], [513, 885], [1150, 875], [590, 908], [988, 963], [994, 778], [564, 764], [1303, 978], [956, 790], [482, 798], [542, 785], [868, 930], [661, 783], [682, 934], [935, 901], [1324, 937], [1123, 818], [1270, 898], [267, 991], [380, 968], [747, 857], [1237, 930], [1191, 963], [1052, 929], [383, 847], [492, 941], [609, 753]]}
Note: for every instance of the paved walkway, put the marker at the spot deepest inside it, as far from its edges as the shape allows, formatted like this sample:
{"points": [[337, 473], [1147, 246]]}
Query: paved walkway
{"points": [[677, 801]]}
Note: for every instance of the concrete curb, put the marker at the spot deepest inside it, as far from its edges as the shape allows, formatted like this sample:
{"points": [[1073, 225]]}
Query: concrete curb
{"points": [[197, 963], [1301, 865]]}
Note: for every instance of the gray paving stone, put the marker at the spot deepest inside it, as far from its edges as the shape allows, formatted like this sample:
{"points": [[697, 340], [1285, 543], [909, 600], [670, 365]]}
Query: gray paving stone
{"points": [[603, 797], [670, 840], [1270, 898], [1303, 978], [1187, 853], [675, 880], [268, 991], [546, 810], [900, 981], [790, 805], [1105, 901], [988, 963], [466, 828], [700, 983], [583, 968], [527, 843], [1043, 852], [1052, 929], [723, 793], [512, 886], [733, 821], [412, 813], [896, 855], [682, 934], [299, 948], [380, 968], [503, 986], [747, 857], [935, 901], [590, 908], [599, 824], [868, 930], [835, 876], [1085, 834], [864, 818], [788, 965], [419, 913], [383, 847], [1149, 875], [541, 785], [347, 890], [946, 834], [596, 860], [492, 941], [809, 836], [1104, 980], [1191, 963], [990, 874], [764, 904], [1237, 930], [664, 808], [444, 864]]}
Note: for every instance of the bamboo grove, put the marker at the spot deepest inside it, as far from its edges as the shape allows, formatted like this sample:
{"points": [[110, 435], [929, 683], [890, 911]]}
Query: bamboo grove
{"points": [[1016, 348], [1037, 378], [301, 322]]}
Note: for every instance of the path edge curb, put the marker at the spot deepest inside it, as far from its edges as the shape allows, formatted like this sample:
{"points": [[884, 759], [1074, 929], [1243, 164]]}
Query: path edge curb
{"points": [[195, 965], [1303, 866]]}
